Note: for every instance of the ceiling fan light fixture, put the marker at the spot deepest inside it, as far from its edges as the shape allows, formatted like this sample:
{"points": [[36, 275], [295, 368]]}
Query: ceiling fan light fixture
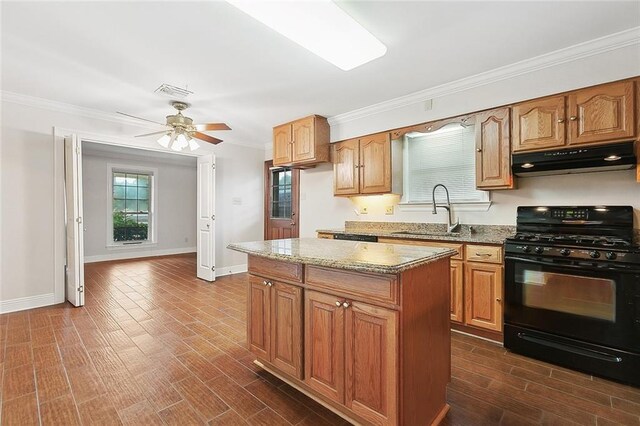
{"points": [[164, 140], [347, 44], [193, 145], [180, 142]]}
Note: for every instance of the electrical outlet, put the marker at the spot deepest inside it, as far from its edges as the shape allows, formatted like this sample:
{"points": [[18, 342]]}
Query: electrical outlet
{"points": [[364, 210], [388, 210]]}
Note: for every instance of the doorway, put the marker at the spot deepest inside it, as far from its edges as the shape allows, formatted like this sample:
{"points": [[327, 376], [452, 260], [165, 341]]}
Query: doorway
{"points": [[281, 202]]}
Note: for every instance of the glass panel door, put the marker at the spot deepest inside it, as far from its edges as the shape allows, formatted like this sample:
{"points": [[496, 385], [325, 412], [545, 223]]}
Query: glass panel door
{"points": [[281, 193]]}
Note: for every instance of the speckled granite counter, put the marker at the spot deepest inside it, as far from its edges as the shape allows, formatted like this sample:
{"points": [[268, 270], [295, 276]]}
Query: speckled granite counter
{"points": [[481, 234], [356, 256]]}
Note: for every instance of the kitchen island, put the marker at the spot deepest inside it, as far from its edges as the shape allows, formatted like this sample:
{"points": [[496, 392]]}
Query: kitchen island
{"points": [[362, 328]]}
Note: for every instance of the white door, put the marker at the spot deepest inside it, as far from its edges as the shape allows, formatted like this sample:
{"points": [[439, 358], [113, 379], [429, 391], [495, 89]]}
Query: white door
{"points": [[74, 226], [206, 217]]}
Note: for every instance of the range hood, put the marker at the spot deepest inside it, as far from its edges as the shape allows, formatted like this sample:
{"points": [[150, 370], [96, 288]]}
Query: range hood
{"points": [[619, 156]]}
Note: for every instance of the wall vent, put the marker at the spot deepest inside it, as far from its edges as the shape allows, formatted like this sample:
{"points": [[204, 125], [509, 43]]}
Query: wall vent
{"points": [[173, 91]]}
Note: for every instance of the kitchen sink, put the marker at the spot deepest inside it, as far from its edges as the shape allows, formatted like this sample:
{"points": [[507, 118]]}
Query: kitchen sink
{"points": [[433, 234]]}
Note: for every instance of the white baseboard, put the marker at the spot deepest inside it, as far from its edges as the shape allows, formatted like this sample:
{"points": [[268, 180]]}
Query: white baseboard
{"points": [[137, 254], [30, 302], [230, 270]]}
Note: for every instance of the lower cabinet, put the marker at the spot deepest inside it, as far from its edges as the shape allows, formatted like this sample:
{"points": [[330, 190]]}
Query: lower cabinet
{"points": [[274, 326], [483, 294], [350, 355]]}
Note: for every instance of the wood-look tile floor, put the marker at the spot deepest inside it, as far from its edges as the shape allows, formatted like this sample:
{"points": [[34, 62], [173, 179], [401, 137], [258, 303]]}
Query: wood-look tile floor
{"points": [[154, 345]]}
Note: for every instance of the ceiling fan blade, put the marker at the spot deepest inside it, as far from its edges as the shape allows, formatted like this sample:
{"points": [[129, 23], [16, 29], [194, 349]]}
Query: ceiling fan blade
{"points": [[151, 134], [206, 138], [140, 118], [211, 126]]}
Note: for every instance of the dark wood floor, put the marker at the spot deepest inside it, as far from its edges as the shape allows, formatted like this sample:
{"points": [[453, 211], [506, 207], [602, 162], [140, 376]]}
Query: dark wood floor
{"points": [[156, 346]]}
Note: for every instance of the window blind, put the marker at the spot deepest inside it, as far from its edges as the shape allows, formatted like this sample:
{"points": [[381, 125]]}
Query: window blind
{"points": [[445, 156]]}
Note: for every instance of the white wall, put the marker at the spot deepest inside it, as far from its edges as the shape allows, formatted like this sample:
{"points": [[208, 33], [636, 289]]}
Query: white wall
{"points": [[319, 209], [31, 208], [176, 204]]}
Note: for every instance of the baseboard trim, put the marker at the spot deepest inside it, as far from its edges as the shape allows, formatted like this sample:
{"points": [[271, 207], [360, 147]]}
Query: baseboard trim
{"points": [[230, 270], [137, 254], [30, 302]]}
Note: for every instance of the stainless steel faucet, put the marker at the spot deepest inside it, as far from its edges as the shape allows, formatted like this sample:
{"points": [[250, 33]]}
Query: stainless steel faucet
{"points": [[450, 227]]}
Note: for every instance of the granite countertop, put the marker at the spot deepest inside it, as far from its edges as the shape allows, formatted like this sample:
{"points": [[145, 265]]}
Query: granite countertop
{"points": [[353, 255], [481, 234]]}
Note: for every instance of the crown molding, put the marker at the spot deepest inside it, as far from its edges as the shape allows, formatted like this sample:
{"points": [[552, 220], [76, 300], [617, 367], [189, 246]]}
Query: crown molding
{"points": [[568, 54], [36, 102]]}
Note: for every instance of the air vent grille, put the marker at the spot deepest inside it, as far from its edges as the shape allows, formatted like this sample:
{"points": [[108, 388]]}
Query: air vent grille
{"points": [[173, 91]]}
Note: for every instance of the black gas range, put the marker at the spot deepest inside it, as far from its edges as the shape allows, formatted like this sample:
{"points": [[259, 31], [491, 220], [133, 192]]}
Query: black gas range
{"points": [[572, 289]]}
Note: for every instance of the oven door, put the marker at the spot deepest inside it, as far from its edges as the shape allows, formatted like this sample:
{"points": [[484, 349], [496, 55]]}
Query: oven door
{"points": [[592, 302]]}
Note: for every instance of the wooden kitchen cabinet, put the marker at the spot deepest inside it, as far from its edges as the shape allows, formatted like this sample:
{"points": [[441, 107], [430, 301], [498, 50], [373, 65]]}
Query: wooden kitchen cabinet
{"points": [[304, 142], [483, 295], [601, 113], [539, 124], [594, 115], [493, 149], [274, 323], [324, 344], [366, 166]]}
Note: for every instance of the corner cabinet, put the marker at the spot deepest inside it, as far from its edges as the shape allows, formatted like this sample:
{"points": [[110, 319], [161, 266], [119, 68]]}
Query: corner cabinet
{"points": [[493, 149], [367, 165], [595, 115], [373, 347], [304, 142]]}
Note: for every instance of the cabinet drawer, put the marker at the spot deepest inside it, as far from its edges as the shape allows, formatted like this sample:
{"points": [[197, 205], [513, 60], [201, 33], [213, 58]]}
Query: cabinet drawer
{"points": [[271, 268], [457, 247], [486, 254], [383, 288]]}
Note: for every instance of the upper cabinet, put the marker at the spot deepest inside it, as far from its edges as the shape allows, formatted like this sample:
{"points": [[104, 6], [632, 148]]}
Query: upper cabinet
{"points": [[593, 115], [493, 153], [304, 142], [601, 113], [364, 165]]}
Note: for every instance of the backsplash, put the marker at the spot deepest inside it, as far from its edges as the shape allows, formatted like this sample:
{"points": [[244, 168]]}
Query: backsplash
{"points": [[497, 232]]}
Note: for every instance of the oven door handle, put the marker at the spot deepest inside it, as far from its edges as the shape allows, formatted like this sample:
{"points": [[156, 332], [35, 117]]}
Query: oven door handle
{"points": [[564, 265]]}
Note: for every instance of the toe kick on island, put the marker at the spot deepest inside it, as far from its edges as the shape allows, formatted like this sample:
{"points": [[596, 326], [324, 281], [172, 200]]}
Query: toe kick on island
{"points": [[362, 328]]}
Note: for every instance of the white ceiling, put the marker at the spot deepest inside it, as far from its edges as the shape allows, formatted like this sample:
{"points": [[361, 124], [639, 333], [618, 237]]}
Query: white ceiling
{"points": [[110, 56]]}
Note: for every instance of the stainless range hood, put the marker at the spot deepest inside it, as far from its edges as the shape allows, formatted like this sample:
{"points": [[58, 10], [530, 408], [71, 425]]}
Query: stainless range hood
{"points": [[619, 156]]}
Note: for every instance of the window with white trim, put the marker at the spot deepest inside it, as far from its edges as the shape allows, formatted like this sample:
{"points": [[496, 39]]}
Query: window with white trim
{"points": [[131, 206], [445, 156]]}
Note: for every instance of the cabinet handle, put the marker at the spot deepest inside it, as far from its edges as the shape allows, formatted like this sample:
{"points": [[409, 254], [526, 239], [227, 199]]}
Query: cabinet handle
{"points": [[356, 166], [362, 166], [479, 150], [346, 304], [483, 254], [573, 118], [269, 283], [338, 303], [498, 300], [264, 282], [561, 120]]}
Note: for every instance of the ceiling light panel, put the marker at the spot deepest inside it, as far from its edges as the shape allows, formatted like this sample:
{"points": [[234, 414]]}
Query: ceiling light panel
{"points": [[319, 26]]}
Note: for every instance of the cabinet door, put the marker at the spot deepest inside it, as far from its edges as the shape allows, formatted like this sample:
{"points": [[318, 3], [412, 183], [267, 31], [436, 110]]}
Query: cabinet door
{"points": [[457, 300], [303, 139], [371, 344], [346, 163], [493, 153], [539, 124], [483, 295], [286, 328], [282, 144], [324, 344], [602, 113], [258, 317], [375, 164]]}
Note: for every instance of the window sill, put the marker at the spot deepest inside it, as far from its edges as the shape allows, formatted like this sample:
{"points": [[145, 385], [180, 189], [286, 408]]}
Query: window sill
{"points": [[482, 206], [121, 246]]}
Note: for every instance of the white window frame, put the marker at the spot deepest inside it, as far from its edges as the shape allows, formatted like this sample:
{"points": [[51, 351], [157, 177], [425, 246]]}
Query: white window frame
{"points": [[406, 206], [152, 238]]}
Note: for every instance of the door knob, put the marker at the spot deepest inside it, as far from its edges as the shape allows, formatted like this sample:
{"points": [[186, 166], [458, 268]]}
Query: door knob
{"points": [[292, 223], [208, 225]]}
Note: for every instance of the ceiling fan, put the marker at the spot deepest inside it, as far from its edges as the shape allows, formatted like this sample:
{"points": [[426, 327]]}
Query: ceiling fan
{"points": [[181, 131]]}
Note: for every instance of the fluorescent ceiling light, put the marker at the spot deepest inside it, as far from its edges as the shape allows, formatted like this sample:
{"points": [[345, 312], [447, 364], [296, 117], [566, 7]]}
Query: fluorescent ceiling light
{"points": [[319, 26]]}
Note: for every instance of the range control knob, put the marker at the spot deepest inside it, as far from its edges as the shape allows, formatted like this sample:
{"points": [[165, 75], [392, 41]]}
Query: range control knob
{"points": [[611, 255], [565, 252], [594, 254], [539, 250], [526, 249]]}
